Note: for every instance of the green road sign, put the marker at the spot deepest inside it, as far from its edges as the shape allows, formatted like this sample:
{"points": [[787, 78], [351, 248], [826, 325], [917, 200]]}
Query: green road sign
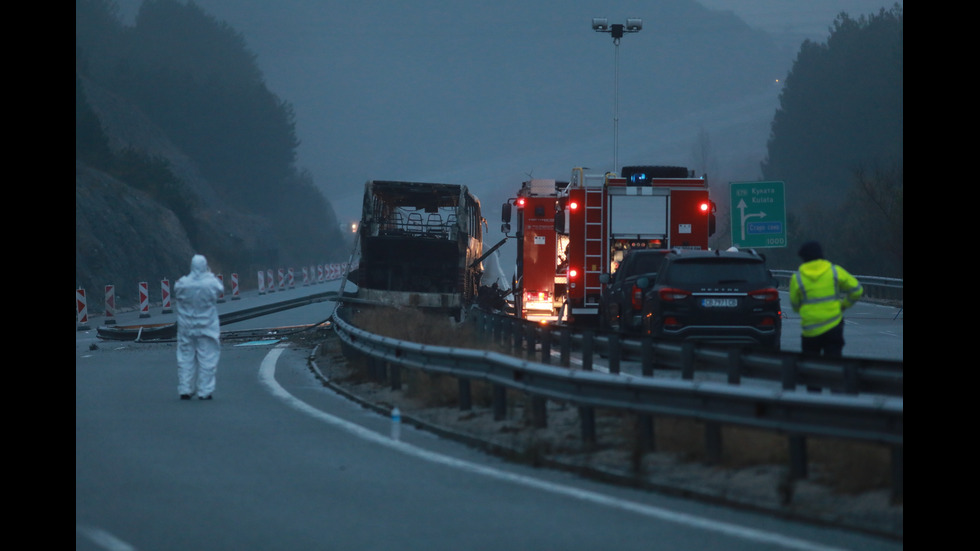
{"points": [[758, 214]]}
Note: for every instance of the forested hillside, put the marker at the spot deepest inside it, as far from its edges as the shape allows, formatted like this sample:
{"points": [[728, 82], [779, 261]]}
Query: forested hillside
{"points": [[837, 142], [181, 148]]}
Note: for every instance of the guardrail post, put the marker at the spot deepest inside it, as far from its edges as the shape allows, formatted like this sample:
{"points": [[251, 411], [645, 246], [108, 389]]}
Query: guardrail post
{"points": [[796, 442], [687, 360], [531, 339], [797, 457], [375, 368], [734, 366], [644, 432], [539, 412], [790, 373], [566, 347], [482, 321], [645, 422], [545, 346], [465, 398], [588, 346], [851, 382], [648, 356], [898, 473], [384, 368], [614, 352], [586, 417], [587, 414], [712, 442], [516, 338], [499, 402], [395, 376]]}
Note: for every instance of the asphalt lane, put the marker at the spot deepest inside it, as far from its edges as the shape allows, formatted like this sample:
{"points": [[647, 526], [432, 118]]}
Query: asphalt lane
{"points": [[277, 461], [873, 331]]}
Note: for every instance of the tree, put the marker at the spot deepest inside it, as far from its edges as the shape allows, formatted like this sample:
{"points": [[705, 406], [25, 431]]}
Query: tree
{"points": [[91, 144], [841, 112], [874, 221], [196, 78], [841, 106]]}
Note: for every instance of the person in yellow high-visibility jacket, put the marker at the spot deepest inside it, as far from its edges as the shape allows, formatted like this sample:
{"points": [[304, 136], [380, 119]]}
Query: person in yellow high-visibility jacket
{"points": [[820, 291]]}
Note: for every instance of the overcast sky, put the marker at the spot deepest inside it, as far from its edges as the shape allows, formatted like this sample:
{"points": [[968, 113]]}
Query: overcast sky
{"points": [[368, 82]]}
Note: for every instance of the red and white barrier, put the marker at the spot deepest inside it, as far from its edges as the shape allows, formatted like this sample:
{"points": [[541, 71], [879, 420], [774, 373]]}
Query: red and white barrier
{"points": [[81, 311], [334, 271], [221, 294], [165, 295], [267, 283], [144, 301], [234, 287], [110, 305]]}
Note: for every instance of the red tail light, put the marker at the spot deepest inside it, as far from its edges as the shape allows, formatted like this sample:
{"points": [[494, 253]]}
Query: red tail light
{"points": [[765, 295], [572, 273], [767, 322], [636, 298], [671, 294], [670, 322]]}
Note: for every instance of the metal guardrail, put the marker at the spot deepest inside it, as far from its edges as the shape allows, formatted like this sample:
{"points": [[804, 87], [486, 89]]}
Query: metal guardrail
{"points": [[799, 414], [790, 369], [168, 331], [875, 287]]}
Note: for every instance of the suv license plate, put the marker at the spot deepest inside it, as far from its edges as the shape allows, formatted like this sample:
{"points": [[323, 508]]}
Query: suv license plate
{"points": [[719, 302]]}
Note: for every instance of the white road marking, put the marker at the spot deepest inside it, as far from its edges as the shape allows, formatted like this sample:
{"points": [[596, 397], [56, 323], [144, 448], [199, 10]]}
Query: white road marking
{"points": [[267, 377], [103, 539]]}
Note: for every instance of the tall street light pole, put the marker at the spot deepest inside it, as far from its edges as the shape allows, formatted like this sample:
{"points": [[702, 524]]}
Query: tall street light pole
{"points": [[601, 25]]}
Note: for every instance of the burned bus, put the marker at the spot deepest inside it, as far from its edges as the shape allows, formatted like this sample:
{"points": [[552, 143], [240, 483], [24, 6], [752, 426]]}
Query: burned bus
{"points": [[420, 246]]}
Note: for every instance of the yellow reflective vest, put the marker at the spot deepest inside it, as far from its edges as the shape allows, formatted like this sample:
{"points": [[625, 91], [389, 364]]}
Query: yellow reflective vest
{"points": [[820, 291]]}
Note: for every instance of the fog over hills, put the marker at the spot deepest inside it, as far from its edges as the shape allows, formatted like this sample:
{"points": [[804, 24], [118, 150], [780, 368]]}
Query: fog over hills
{"points": [[486, 94]]}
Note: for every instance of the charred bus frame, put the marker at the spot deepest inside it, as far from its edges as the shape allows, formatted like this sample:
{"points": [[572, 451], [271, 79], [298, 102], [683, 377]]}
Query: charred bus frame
{"points": [[420, 246]]}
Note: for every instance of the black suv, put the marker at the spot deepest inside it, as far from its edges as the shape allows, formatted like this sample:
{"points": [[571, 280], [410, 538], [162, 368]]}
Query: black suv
{"points": [[718, 296], [621, 302]]}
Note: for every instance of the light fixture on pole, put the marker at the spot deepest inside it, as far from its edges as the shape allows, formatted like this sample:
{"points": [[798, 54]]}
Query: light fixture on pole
{"points": [[601, 25]]}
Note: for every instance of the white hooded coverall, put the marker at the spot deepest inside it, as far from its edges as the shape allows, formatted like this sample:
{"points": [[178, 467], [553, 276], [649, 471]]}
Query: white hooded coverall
{"points": [[198, 329]]}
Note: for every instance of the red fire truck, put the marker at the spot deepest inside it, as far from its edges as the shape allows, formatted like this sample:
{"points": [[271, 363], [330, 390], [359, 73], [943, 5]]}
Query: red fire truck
{"points": [[539, 287], [569, 233]]}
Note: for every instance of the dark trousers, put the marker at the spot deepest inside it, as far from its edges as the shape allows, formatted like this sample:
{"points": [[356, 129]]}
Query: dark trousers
{"points": [[828, 345]]}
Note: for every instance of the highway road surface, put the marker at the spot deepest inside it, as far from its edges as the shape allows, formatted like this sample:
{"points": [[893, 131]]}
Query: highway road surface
{"points": [[278, 462]]}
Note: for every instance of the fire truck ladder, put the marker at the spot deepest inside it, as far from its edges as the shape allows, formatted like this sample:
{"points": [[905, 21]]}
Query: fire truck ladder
{"points": [[594, 243]]}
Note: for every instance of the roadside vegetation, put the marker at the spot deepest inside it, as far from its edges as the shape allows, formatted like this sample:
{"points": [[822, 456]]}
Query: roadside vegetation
{"points": [[837, 140], [184, 85]]}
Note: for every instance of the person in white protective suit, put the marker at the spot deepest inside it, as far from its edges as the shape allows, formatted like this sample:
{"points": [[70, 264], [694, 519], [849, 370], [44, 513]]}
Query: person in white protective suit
{"points": [[198, 330]]}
